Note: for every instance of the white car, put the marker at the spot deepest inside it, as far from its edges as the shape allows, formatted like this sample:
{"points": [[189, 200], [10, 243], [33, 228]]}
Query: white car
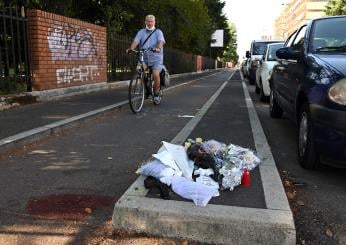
{"points": [[264, 70]]}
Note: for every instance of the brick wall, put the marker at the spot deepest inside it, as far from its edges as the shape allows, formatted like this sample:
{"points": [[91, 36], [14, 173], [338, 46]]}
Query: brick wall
{"points": [[65, 52]]}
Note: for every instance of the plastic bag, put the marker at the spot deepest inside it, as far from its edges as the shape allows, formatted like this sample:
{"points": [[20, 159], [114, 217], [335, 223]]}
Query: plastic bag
{"points": [[200, 194], [155, 169], [176, 156], [203, 172], [206, 180]]}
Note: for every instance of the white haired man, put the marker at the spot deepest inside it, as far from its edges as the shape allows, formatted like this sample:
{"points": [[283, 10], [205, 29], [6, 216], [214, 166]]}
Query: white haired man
{"points": [[154, 60]]}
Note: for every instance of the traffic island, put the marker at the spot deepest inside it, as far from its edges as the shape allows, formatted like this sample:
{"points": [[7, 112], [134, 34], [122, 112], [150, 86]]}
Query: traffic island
{"points": [[259, 214]]}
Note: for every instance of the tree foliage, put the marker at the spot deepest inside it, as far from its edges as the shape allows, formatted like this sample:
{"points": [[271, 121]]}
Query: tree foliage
{"points": [[336, 7], [230, 53], [187, 24]]}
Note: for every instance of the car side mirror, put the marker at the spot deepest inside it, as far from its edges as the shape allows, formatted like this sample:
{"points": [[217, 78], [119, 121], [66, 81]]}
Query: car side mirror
{"points": [[288, 53], [247, 54]]}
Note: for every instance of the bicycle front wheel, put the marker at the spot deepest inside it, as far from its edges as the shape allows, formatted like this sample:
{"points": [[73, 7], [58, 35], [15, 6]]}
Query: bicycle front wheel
{"points": [[136, 94]]}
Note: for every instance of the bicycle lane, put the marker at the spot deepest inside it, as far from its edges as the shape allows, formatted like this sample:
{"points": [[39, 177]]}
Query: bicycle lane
{"points": [[258, 214], [96, 161], [28, 117]]}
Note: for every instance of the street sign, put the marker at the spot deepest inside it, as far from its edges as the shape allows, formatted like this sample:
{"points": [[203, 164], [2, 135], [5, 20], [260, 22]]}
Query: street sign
{"points": [[217, 39]]}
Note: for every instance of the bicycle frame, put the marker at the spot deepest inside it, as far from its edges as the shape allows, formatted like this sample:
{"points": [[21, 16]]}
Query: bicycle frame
{"points": [[145, 75]]}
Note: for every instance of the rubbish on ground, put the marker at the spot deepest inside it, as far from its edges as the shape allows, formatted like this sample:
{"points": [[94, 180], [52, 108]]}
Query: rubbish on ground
{"points": [[204, 172], [151, 182], [245, 181], [187, 145], [199, 193], [188, 116], [199, 140], [219, 166], [206, 180], [178, 154], [156, 169]]}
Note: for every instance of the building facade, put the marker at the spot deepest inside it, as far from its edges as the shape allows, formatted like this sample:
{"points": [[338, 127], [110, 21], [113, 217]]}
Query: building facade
{"points": [[296, 13]]}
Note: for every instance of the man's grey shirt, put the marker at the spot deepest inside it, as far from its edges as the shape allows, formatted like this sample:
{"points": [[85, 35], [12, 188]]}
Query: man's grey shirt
{"points": [[150, 58]]}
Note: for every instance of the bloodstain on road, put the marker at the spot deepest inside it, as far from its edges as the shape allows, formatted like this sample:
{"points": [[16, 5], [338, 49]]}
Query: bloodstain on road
{"points": [[67, 206]]}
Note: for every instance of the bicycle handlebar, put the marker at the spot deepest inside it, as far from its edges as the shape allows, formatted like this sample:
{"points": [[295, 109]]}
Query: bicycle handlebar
{"points": [[141, 50]]}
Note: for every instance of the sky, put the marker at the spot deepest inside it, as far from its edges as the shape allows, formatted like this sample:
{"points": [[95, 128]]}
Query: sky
{"points": [[253, 19]]}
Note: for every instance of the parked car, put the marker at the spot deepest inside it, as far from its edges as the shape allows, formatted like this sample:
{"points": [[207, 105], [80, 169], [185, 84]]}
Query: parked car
{"points": [[309, 84], [243, 68], [257, 49], [265, 69]]}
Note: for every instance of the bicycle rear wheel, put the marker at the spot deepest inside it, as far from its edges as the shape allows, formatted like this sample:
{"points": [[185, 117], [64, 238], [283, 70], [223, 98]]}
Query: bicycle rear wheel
{"points": [[136, 94]]}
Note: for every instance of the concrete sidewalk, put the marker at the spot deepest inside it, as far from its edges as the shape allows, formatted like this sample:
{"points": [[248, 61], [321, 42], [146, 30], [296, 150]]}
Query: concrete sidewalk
{"points": [[256, 215]]}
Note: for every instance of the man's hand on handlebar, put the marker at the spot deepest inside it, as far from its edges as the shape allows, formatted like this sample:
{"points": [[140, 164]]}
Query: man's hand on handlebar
{"points": [[129, 50], [157, 50]]}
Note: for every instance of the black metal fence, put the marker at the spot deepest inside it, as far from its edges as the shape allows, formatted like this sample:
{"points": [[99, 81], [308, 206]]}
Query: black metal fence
{"points": [[121, 65], [14, 65]]}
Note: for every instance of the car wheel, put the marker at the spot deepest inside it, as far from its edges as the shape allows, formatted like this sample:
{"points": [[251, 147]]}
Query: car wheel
{"points": [[257, 89], [263, 97], [275, 110], [252, 78], [307, 154]]}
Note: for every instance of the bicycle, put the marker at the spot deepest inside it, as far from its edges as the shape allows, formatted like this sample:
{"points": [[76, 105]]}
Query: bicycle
{"points": [[142, 84]]}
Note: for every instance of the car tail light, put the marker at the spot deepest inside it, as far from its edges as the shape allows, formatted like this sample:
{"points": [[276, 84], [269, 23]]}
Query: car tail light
{"points": [[337, 92]]}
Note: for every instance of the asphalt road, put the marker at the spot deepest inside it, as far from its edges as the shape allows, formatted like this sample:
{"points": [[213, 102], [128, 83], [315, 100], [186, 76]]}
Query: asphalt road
{"points": [[317, 198], [91, 166]]}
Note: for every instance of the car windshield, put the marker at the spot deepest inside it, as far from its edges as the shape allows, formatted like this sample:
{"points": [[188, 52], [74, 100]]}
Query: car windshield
{"points": [[272, 51], [329, 35], [259, 48]]}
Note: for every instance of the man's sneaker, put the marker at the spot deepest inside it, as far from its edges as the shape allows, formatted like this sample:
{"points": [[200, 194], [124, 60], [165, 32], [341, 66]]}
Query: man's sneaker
{"points": [[157, 99]]}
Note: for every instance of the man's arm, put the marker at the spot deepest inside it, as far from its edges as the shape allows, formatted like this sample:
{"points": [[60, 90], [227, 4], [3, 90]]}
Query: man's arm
{"points": [[134, 45], [159, 46]]}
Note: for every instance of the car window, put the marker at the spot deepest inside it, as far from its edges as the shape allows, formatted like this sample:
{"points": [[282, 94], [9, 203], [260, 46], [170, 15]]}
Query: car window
{"points": [[289, 41], [272, 51], [259, 48], [299, 40], [329, 35]]}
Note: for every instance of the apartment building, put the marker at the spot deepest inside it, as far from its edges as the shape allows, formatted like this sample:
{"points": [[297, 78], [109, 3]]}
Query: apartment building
{"points": [[296, 13]]}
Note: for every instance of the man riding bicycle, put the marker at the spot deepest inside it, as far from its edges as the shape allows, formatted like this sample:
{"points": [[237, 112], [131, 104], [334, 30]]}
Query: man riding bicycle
{"points": [[154, 60]]}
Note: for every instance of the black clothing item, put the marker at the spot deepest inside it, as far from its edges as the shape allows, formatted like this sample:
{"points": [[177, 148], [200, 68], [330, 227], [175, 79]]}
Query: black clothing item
{"points": [[151, 182]]}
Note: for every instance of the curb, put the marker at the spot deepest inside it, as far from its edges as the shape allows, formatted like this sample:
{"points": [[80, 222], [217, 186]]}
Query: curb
{"points": [[216, 224]]}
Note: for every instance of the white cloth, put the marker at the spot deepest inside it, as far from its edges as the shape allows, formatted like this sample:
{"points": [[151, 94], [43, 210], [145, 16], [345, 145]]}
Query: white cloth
{"points": [[200, 194]]}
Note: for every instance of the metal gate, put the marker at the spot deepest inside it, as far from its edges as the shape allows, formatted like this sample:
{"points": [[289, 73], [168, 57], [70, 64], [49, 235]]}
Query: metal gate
{"points": [[14, 62]]}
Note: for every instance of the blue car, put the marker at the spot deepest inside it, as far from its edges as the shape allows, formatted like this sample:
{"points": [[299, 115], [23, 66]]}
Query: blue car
{"points": [[309, 85]]}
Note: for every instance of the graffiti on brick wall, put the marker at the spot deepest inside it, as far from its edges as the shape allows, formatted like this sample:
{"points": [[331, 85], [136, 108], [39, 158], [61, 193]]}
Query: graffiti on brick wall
{"points": [[71, 42], [81, 73]]}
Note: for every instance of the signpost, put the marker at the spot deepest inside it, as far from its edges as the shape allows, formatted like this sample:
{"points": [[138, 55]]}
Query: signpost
{"points": [[216, 41]]}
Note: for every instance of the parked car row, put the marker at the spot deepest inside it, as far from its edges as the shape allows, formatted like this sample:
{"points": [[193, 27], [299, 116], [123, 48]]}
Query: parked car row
{"points": [[307, 79]]}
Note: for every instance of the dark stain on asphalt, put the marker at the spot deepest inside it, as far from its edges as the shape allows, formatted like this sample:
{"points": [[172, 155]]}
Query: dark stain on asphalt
{"points": [[67, 206]]}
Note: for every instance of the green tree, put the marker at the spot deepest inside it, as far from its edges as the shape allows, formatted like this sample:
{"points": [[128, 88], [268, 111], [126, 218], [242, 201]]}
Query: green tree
{"points": [[230, 53], [187, 24], [336, 7]]}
